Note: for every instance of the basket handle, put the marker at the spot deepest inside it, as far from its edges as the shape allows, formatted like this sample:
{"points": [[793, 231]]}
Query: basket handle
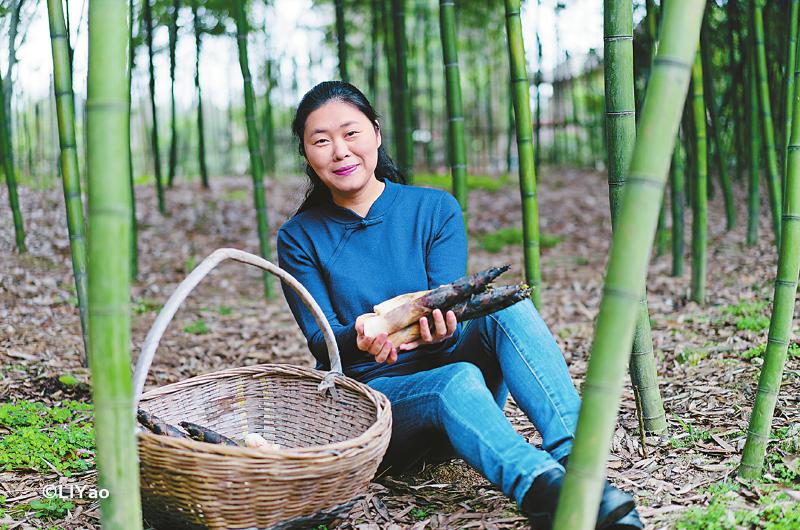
{"points": [[190, 282]]}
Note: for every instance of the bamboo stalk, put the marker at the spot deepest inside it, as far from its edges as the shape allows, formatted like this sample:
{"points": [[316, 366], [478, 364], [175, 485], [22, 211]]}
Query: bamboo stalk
{"points": [[131, 180], [341, 41], [173, 43], [537, 147], [457, 146], [404, 126], [720, 150], [791, 66], [6, 153], [753, 198], [430, 84], [621, 134], [70, 175], [253, 144], [783, 302], [109, 261], [627, 266], [391, 70], [270, 158], [201, 152], [148, 21], [700, 195], [676, 176], [524, 130], [652, 30], [773, 181], [372, 74]]}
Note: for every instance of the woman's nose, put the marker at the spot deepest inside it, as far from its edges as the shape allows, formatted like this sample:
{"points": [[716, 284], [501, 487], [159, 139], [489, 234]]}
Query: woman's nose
{"points": [[340, 149]]}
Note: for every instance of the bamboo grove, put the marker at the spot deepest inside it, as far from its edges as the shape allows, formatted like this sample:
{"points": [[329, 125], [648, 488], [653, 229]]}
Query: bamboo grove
{"points": [[466, 92]]}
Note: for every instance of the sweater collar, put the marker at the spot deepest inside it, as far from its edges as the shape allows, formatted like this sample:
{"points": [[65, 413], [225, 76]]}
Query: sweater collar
{"points": [[376, 211]]}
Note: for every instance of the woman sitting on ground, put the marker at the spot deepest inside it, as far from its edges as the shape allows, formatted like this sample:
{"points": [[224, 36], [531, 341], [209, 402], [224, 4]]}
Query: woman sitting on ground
{"points": [[361, 237]]}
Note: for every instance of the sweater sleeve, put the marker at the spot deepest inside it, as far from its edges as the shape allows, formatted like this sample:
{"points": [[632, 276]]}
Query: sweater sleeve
{"points": [[294, 260], [447, 251]]}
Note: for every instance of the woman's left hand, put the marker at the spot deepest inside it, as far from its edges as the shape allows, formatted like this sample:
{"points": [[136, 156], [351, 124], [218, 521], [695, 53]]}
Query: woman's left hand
{"points": [[444, 327]]}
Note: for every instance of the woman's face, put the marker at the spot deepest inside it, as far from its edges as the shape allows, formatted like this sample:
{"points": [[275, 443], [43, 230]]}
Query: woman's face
{"points": [[341, 146]]}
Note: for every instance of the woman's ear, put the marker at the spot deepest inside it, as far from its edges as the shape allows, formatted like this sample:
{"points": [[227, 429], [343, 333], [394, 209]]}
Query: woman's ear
{"points": [[378, 132]]}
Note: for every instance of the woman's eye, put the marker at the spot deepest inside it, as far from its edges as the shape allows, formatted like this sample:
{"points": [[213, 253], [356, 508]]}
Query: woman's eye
{"points": [[321, 141], [351, 133]]}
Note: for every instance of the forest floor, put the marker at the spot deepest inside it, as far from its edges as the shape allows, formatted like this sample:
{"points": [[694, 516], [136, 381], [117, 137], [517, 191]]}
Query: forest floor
{"points": [[708, 356]]}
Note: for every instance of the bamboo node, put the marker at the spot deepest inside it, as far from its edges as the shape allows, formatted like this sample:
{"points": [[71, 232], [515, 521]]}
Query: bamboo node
{"points": [[779, 342], [767, 392], [656, 183], [612, 38], [757, 435], [621, 293], [669, 61]]}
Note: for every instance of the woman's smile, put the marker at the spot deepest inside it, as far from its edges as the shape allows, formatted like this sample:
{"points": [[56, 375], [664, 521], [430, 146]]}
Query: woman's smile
{"points": [[346, 170]]}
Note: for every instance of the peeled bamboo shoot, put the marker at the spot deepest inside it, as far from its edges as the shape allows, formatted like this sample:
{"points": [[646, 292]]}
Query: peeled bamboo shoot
{"points": [[256, 441]]}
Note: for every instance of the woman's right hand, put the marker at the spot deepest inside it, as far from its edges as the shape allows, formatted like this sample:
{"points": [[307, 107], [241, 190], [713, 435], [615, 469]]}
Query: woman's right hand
{"points": [[379, 347]]}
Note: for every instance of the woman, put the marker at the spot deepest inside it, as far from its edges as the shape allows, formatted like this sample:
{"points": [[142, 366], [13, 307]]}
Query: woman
{"points": [[361, 237]]}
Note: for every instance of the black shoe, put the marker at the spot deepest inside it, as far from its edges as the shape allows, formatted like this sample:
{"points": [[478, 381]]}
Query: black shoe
{"points": [[540, 502], [630, 521], [614, 505]]}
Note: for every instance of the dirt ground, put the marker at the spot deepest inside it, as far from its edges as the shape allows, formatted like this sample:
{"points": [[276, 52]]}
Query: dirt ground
{"points": [[707, 385]]}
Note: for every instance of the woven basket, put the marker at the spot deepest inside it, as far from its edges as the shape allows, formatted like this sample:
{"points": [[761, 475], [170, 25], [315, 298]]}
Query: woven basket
{"points": [[332, 432]]}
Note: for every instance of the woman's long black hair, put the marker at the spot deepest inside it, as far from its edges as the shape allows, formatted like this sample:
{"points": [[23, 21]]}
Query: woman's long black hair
{"points": [[317, 193]]}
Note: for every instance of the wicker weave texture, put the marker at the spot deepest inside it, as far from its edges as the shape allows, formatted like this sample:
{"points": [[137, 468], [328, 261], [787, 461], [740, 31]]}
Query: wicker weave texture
{"points": [[329, 449]]}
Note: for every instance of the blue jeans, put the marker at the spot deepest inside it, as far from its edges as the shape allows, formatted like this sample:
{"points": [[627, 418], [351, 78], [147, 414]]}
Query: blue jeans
{"points": [[457, 407]]}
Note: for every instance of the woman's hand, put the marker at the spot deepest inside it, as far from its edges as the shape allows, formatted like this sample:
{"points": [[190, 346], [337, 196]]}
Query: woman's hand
{"points": [[444, 327], [379, 347]]}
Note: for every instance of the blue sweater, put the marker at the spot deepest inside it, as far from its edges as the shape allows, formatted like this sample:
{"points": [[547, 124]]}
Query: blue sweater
{"points": [[411, 239]]}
